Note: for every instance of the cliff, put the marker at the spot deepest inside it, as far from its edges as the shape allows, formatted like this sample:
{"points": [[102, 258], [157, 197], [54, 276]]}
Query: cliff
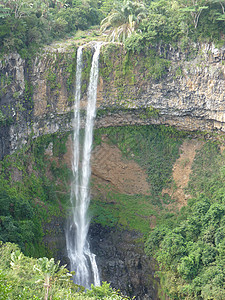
{"points": [[185, 89]]}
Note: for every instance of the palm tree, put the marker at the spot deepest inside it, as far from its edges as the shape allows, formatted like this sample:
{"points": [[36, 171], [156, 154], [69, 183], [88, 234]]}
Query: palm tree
{"points": [[50, 272], [4, 11], [124, 20]]}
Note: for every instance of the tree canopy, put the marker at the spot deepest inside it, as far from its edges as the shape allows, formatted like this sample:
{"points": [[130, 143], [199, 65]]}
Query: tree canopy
{"points": [[27, 24], [124, 20], [190, 247]]}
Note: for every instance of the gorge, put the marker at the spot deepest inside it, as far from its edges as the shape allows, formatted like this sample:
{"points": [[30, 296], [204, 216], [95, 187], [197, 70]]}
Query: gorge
{"points": [[139, 98]]}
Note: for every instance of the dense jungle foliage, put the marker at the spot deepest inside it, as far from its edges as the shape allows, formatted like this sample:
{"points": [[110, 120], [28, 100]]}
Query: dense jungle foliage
{"points": [[34, 191], [190, 246], [25, 25], [27, 278]]}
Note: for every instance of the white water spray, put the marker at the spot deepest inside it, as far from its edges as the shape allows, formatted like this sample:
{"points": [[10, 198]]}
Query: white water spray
{"points": [[82, 260]]}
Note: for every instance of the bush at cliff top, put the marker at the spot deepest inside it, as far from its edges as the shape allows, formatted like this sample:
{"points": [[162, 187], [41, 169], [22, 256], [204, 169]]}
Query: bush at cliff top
{"points": [[25, 25]]}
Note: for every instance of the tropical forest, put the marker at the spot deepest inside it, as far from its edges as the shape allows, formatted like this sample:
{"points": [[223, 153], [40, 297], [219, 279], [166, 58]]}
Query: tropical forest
{"points": [[112, 149]]}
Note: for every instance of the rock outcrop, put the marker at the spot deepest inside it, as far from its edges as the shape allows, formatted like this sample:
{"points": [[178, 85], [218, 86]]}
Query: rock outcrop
{"points": [[123, 263], [182, 89]]}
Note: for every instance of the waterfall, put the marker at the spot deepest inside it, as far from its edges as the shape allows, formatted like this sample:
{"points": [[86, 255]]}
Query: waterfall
{"points": [[82, 260]]}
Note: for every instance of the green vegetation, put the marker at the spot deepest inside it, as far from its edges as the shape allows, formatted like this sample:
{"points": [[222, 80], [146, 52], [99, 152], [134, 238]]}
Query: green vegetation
{"points": [[155, 149], [143, 24], [187, 245], [27, 278], [34, 189], [5, 120], [124, 20], [179, 23], [190, 247], [133, 212], [125, 71], [25, 25], [18, 222]]}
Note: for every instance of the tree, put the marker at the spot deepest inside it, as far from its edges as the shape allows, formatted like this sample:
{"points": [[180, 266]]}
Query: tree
{"points": [[220, 16], [194, 8], [124, 20], [221, 3], [46, 269], [4, 287], [19, 8], [4, 11], [49, 273], [165, 22]]}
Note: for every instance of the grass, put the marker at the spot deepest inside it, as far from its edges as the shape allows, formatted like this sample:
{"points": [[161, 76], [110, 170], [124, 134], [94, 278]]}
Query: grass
{"points": [[135, 212], [81, 37], [155, 149]]}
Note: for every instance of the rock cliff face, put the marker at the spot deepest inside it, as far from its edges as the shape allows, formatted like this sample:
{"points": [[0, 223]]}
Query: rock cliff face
{"points": [[185, 90], [123, 263]]}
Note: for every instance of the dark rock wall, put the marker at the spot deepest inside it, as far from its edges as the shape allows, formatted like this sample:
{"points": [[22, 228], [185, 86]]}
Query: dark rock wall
{"points": [[122, 262]]}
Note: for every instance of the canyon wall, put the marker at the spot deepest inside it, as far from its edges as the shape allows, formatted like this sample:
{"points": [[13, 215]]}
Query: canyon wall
{"points": [[185, 89]]}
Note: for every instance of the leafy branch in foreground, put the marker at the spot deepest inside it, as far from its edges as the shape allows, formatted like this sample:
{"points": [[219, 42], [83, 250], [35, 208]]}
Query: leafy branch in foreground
{"points": [[27, 278]]}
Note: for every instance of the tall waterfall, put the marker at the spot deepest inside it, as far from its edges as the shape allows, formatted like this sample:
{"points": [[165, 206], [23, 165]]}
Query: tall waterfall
{"points": [[82, 260]]}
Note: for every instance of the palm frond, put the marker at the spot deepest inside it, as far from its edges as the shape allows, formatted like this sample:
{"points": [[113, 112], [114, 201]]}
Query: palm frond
{"points": [[124, 20]]}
